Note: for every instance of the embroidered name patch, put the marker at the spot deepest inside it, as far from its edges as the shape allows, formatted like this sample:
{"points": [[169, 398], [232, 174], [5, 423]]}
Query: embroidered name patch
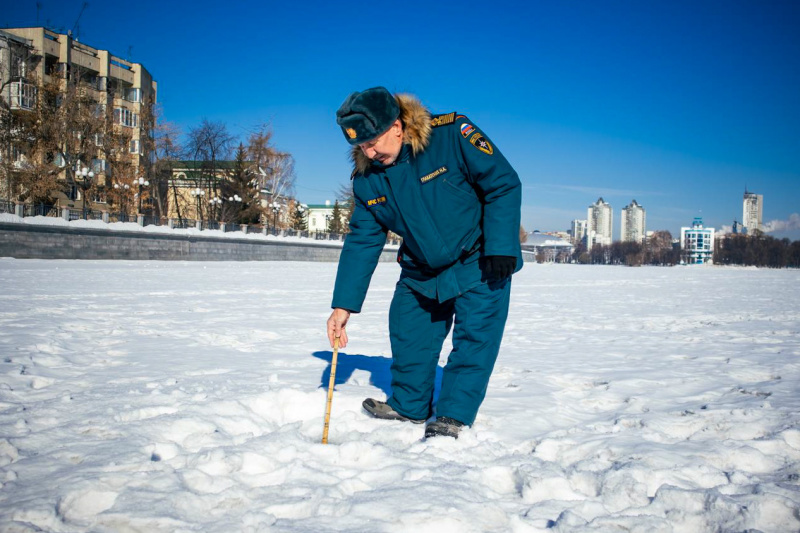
{"points": [[466, 129], [443, 120], [433, 175], [376, 201], [480, 142]]}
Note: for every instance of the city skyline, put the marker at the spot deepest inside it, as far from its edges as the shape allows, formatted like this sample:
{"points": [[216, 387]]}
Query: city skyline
{"points": [[679, 105]]}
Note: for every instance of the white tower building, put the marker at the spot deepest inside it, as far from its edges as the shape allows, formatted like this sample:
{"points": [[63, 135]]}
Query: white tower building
{"points": [[578, 230], [599, 223], [632, 223], [752, 209]]}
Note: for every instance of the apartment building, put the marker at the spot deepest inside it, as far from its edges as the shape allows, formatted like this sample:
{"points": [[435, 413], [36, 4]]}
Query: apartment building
{"points": [[752, 211], [37, 54], [633, 223], [578, 231], [600, 223]]}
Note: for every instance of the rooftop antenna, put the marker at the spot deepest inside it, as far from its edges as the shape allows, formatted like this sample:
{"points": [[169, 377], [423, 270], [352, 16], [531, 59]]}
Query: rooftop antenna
{"points": [[75, 28], [130, 52], [38, 9]]}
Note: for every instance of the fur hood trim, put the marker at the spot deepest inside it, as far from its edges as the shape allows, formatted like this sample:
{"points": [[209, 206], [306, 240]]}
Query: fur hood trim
{"points": [[416, 121]]}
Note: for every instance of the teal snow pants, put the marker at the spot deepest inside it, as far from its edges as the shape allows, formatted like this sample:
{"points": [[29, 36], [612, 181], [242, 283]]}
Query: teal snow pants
{"points": [[418, 327]]}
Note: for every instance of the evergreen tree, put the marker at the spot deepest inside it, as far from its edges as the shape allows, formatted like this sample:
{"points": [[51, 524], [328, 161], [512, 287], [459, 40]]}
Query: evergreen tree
{"points": [[245, 207], [299, 219], [335, 222]]}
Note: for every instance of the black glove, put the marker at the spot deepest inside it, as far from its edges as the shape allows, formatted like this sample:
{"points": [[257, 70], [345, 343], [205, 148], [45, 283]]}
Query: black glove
{"points": [[500, 266]]}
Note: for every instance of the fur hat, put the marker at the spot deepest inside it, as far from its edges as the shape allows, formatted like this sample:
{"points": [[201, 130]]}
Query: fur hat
{"points": [[367, 114]]}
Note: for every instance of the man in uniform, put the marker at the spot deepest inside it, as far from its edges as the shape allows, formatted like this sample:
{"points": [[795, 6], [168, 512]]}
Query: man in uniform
{"points": [[442, 185]]}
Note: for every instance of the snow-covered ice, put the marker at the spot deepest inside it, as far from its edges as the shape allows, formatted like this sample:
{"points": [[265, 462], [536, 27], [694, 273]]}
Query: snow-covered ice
{"points": [[155, 396]]}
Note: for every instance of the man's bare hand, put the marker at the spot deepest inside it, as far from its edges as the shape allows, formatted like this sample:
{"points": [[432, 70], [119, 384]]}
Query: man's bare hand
{"points": [[336, 324]]}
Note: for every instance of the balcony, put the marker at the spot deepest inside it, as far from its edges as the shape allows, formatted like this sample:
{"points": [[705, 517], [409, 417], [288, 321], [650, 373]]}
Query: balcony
{"points": [[23, 95]]}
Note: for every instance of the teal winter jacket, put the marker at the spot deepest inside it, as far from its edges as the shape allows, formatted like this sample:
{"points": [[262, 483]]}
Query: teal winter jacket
{"points": [[451, 196]]}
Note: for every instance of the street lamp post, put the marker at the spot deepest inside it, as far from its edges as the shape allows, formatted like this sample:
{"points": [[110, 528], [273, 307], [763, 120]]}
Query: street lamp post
{"points": [[276, 208], [87, 176], [120, 194], [216, 202], [301, 211], [142, 183], [236, 200], [198, 193]]}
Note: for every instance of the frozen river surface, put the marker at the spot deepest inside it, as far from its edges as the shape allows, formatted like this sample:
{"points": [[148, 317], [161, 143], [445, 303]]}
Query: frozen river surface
{"points": [[146, 396]]}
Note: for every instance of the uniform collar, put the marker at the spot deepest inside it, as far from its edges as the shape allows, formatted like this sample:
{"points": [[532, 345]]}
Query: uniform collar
{"points": [[405, 154]]}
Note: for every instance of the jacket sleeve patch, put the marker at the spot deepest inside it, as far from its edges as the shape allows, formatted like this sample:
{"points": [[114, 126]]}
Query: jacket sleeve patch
{"points": [[480, 142], [466, 129], [376, 201], [443, 120]]}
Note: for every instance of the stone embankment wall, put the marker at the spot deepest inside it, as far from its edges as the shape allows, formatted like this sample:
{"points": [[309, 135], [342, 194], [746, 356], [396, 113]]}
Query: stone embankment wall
{"points": [[27, 241]]}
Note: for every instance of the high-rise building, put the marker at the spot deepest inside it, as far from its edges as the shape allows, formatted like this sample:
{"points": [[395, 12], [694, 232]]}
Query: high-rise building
{"points": [[599, 223], [578, 230], [632, 223], [38, 56], [752, 210], [697, 243]]}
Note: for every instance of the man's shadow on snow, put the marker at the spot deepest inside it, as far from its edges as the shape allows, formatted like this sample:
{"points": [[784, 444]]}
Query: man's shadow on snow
{"points": [[379, 369]]}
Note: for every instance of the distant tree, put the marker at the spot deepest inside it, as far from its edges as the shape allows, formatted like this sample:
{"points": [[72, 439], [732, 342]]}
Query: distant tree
{"points": [[275, 169], [241, 185], [69, 124], [26, 171], [756, 250], [626, 253], [335, 221], [794, 255], [345, 195], [523, 235], [151, 137], [660, 250], [579, 254], [598, 255], [120, 167], [207, 145], [299, 219], [168, 151]]}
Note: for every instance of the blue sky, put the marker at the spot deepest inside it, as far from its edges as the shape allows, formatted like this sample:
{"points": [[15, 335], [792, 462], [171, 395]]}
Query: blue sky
{"points": [[677, 104]]}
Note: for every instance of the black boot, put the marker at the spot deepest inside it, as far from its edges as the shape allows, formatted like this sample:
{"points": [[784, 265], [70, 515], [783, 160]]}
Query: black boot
{"points": [[383, 410], [443, 426]]}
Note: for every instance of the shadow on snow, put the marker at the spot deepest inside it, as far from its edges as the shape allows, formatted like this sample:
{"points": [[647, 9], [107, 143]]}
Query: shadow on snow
{"points": [[379, 369]]}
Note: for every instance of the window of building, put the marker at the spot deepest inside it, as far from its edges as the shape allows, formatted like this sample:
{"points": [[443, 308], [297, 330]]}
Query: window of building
{"points": [[133, 95], [98, 165], [23, 95], [19, 67], [17, 156], [134, 149], [126, 117]]}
